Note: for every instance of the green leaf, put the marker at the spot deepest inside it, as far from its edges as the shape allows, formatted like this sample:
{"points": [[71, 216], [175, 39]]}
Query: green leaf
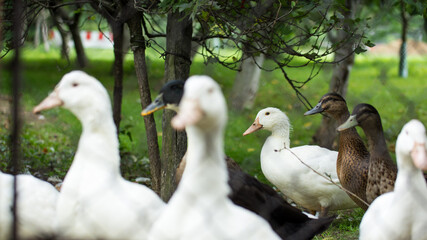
{"points": [[369, 43], [359, 50]]}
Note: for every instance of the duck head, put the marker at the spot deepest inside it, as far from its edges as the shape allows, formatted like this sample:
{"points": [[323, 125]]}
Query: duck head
{"points": [[411, 143], [364, 115], [270, 119], [202, 105], [80, 93], [331, 103], [169, 97]]}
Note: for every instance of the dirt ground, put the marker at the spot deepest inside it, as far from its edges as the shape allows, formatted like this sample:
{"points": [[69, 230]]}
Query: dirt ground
{"points": [[414, 48], [5, 117]]}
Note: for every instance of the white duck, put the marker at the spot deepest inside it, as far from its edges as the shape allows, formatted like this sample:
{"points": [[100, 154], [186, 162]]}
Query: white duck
{"points": [[200, 208], [36, 207], [95, 201], [402, 214], [297, 181]]}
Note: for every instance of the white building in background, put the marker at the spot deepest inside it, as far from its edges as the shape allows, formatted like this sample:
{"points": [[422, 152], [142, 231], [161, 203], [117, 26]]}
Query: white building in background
{"points": [[90, 39]]}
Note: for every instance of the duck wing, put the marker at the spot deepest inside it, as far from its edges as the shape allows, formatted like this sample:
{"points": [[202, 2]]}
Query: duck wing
{"points": [[287, 221]]}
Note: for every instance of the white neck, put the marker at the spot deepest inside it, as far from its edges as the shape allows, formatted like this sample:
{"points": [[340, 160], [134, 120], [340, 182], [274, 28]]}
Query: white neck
{"points": [[98, 145], [281, 131], [409, 175], [206, 174]]}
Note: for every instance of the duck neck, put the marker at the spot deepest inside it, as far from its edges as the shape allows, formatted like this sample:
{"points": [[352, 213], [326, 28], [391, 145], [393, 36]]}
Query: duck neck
{"points": [[376, 140], [206, 173], [98, 147], [342, 116], [281, 133], [350, 143], [409, 176], [350, 133]]}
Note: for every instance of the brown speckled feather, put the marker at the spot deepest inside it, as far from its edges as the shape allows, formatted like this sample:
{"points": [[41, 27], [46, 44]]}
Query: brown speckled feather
{"points": [[381, 178], [353, 165], [353, 157], [382, 169]]}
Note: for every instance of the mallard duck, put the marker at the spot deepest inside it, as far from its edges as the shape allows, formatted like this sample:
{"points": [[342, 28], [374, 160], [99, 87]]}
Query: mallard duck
{"points": [[353, 157], [200, 208], [282, 166], [246, 191], [96, 202], [382, 169], [401, 214], [36, 207]]}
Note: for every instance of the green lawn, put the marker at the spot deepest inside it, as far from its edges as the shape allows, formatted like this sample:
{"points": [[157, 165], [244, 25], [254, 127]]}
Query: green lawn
{"points": [[49, 144]]}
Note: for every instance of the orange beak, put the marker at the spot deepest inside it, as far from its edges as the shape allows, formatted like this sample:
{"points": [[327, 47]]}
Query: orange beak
{"points": [[253, 128], [49, 102], [419, 156]]}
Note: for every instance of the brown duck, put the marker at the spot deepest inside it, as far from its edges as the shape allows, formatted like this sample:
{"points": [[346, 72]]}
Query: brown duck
{"points": [[382, 170], [353, 157]]}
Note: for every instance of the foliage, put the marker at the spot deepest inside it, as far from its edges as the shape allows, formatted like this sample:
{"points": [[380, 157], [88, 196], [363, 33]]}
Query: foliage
{"points": [[44, 154], [281, 30]]}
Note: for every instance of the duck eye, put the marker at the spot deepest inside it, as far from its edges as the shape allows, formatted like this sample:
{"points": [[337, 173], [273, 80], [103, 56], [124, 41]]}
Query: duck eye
{"points": [[75, 84], [267, 113], [210, 90]]}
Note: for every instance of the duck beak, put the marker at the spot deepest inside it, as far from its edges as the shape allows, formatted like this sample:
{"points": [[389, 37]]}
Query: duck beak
{"points": [[49, 102], [351, 122], [419, 156], [317, 109], [156, 105], [189, 114], [253, 128]]}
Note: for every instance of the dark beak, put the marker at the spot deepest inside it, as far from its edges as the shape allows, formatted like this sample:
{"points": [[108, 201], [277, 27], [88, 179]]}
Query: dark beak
{"points": [[317, 109], [158, 104]]}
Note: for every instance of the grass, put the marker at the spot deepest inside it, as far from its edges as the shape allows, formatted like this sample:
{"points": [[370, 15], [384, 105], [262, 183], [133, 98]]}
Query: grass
{"points": [[49, 144]]}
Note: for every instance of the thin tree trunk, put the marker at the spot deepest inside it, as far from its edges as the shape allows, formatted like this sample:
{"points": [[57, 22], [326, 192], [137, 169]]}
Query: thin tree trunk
{"points": [[73, 25], [137, 42], [57, 20], [403, 63], [246, 83], [41, 30], [78, 44], [326, 134], [16, 83], [117, 72], [177, 66]]}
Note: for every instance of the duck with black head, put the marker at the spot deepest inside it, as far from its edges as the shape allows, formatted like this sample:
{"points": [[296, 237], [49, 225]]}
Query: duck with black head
{"points": [[246, 191], [200, 208]]}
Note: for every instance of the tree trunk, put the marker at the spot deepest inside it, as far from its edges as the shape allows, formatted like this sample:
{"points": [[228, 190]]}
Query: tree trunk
{"points": [[41, 30], [16, 90], [177, 66], [246, 83], [73, 25], [403, 63], [78, 44], [326, 134], [57, 20], [117, 72], [137, 42]]}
